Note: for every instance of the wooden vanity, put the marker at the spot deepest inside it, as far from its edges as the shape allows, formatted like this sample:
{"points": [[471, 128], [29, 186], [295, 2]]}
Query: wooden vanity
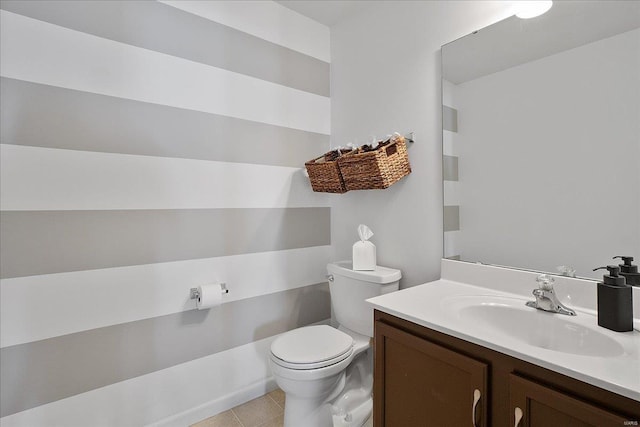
{"points": [[427, 378]]}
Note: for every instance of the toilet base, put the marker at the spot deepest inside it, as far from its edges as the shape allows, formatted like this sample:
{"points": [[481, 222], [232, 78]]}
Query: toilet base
{"points": [[357, 417], [312, 409], [340, 400], [354, 404], [303, 412]]}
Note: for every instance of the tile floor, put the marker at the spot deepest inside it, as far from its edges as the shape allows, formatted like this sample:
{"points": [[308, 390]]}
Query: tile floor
{"points": [[265, 411]]}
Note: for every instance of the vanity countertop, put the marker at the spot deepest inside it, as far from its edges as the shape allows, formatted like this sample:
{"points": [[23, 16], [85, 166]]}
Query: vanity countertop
{"points": [[430, 305]]}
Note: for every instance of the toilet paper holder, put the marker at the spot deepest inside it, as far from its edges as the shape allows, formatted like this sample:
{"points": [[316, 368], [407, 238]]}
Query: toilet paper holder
{"points": [[196, 294]]}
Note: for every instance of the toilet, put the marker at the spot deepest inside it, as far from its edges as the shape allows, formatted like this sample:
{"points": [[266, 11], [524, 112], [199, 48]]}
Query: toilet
{"points": [[327, 373]]}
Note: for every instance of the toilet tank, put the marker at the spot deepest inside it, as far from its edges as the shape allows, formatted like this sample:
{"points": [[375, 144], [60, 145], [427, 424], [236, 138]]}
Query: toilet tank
{"points": [[349, 290]]}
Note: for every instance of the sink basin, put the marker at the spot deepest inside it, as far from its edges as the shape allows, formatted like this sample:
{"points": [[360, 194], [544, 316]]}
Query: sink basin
{"points": [[509, 316]]}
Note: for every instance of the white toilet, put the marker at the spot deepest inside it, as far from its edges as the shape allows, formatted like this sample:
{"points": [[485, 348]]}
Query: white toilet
{"points": [[327, 373]]}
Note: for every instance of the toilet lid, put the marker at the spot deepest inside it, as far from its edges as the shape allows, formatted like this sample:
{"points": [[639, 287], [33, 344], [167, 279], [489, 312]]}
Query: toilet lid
{"points": [[311, 345]]}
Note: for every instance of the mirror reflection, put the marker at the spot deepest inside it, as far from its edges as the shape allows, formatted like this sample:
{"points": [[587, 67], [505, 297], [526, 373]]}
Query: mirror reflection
{"points": [[541, 140]]}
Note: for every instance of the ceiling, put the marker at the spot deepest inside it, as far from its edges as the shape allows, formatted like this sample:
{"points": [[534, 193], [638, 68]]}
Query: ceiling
{"points": [[327, 12]]}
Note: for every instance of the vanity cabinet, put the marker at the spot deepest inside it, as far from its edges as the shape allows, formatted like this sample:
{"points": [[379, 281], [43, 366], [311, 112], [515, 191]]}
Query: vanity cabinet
{"points": [[426, 384], [425, 378], [535, 405]]}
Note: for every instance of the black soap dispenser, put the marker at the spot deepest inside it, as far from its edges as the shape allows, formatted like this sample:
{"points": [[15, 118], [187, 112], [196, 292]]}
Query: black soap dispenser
{"points": [[615, 301], [629, 271]]}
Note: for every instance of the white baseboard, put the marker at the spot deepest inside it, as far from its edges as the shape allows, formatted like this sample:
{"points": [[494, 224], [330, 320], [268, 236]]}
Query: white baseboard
{"points": [[216, 406]]}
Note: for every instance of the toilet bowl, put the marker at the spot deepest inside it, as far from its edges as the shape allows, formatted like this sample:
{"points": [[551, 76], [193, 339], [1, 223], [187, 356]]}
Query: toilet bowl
{"points": [[325, 372]]}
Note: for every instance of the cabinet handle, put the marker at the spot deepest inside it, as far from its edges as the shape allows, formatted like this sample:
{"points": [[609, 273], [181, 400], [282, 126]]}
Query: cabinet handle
{"points": [[518, 415], [476, 399]]}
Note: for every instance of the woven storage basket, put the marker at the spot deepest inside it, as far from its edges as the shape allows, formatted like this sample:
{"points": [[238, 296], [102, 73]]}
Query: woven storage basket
{"points": [[324, 172], [376, 169]]}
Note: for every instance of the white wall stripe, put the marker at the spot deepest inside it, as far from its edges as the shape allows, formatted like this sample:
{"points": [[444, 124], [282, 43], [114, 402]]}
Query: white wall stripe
{"points": [[451, 243], [40, 52], [36, 178], [39, 307], [449, 143], [206, 386], [449, 92], [451, 193], [267, 20]]}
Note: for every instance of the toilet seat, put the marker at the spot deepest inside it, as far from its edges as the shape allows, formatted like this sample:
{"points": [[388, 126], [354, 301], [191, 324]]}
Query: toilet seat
{"points": [[308, 366], [311, 347]]}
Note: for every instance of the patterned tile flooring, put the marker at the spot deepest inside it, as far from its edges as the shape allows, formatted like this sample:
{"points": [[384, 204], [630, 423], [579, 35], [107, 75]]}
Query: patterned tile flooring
{"points": [[265, 411]]}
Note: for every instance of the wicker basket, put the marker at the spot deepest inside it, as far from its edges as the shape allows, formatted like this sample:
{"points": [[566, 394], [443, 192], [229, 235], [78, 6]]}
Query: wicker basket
{"points": [[376, 169], [324, 172]]}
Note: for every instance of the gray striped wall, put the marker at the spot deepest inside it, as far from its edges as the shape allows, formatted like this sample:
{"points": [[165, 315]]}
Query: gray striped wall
{"points": [[451, 214], [162, 28], [117, 125], [48, 370], [449, 118], [50, 242], [44, 242]]}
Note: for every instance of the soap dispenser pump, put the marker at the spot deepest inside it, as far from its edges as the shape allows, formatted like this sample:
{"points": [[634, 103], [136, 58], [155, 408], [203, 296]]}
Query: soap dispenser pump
{"points": [[628, 270], [615, 301]]}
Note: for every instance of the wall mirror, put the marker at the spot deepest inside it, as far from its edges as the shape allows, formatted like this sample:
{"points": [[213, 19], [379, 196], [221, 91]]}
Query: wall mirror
{"points": [[541, 140]]}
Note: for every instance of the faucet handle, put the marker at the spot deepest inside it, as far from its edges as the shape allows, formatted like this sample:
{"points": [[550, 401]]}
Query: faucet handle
{"points": [[545, 282]]}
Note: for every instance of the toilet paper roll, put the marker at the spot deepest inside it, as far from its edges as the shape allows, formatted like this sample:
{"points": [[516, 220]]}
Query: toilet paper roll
{"points": [[210, 296]]}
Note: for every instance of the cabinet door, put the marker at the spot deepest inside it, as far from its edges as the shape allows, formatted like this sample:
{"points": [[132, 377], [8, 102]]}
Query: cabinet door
{"points": [[421, 384], [534, 405]]}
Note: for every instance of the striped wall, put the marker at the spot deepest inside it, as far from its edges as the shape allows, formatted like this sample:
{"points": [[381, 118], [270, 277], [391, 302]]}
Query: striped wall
{"points": [[146, 148], [450, 160]]}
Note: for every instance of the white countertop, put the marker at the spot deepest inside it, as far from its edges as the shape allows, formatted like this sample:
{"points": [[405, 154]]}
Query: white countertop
{"points": [[429, 305]]}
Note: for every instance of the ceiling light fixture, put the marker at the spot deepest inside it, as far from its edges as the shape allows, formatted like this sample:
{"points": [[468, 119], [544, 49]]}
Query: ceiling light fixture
{"points": [[531, 9]]}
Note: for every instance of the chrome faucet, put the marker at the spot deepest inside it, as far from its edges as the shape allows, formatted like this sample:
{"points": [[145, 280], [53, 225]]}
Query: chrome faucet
{"points": [[546, 298]]}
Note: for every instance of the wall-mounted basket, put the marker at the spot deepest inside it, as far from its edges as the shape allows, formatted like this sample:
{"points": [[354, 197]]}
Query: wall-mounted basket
{"points": [[324, 172], [377, 168], [365, 168]]}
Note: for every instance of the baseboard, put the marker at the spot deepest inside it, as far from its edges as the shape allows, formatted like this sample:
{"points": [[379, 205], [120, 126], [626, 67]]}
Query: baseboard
{"points": [[213, 407]]}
